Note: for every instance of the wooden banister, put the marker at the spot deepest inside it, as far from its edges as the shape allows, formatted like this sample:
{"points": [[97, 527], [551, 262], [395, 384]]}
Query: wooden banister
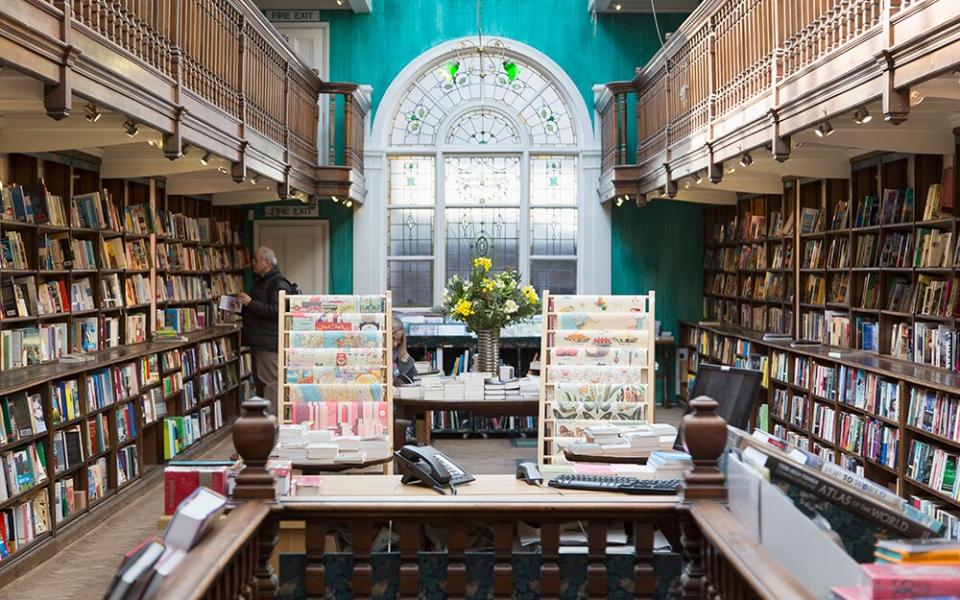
{"points": [[223, 564]]}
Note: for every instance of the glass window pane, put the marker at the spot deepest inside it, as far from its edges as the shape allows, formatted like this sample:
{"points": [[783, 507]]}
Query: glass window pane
{"points": [[412, 181], [411, 282], [558, 276], [490, 232], [411, 231], [482, 180], [553, 180], [553, 231]]}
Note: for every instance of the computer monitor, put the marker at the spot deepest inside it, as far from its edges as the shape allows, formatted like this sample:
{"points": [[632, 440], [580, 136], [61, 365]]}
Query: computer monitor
{"points": [[734, 389]]}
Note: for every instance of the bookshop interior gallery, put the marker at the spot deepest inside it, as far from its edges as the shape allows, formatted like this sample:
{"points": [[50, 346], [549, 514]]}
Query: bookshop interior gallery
{"points": [[324, 299]]}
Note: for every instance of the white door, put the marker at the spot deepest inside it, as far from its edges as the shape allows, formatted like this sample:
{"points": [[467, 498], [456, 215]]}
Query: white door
{"points": [[309, 41], [301, 248]]}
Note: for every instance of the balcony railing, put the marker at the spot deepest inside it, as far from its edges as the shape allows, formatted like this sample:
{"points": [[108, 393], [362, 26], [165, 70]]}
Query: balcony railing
{"points": [[737, 64], [211, 73]]}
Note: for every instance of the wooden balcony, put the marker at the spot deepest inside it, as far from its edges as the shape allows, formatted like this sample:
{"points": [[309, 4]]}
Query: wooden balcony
{"points": [[757, 76], [196, 77]]}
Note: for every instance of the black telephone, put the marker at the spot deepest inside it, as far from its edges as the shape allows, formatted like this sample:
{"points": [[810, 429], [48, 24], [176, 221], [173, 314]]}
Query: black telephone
{"points": [[429, 466]]}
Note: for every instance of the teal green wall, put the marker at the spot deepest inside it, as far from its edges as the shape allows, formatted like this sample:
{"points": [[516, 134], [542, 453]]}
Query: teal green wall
{"points": [[373, 49], [341, 242], [660, 247]]}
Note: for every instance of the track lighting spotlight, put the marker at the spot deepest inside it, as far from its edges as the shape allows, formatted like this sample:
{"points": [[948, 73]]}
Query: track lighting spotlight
{"points": [[205, 159], [222, 170], [916, 98], [731, 168], [698, 178], [131, 127], [862, 116], [335, 199], [824, 129], [746, 160], [619, 201], [255, 179], [686, 184], [93, 113], [348, 203], [956, 74], [155, 143], [617, 7]]}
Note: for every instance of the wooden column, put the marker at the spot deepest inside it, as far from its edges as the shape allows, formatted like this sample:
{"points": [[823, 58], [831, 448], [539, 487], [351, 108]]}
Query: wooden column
{"points": [[704, 437]]}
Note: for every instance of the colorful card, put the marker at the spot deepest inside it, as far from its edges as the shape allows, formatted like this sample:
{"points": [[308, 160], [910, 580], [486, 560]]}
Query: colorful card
{"points": [[324, 357], [599, 411], [598, 356], [595, 375], [334, 375], [319, 392], [338, 304], [594, 321], [364, 419], [564, 304], [335, 339], [334, 322], [613, 338], [599, 393]]}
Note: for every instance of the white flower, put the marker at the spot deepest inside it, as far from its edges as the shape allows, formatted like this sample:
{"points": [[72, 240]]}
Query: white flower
{"points": [[510, 307]]}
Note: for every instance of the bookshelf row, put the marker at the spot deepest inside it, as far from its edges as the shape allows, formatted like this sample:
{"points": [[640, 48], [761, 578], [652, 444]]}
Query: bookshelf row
{"points": [[73, 435], [876, 266], [89, 264], [895, 423]]}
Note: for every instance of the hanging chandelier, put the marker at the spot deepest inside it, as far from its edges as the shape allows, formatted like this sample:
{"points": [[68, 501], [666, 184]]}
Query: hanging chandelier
{"points": [[480, 59]]}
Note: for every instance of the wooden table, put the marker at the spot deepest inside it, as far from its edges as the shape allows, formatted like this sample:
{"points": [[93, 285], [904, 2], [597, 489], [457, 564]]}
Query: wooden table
{"points": [[419, 411]]}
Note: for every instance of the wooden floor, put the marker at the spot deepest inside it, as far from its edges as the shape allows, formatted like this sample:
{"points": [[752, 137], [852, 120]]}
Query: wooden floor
{"points": [[84, 569]]}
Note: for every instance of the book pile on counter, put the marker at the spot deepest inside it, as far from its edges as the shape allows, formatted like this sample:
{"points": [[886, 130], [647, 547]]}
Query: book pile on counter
{"points": [[622, 441], [144, 568], [299, 443], [916, 581], [469, 387], [182, 478]]}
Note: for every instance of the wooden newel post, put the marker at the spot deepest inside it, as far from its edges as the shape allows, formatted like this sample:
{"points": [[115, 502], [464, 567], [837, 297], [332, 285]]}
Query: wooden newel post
{"points": [[254, 436], [704, 437]]}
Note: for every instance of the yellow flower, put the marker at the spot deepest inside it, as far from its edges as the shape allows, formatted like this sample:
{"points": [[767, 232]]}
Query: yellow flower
{"points": [[529, 293], [463, 308], [489, 285], [484, 262]]}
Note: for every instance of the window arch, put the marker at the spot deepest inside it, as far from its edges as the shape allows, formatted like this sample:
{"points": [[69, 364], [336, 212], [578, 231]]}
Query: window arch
{"points": [[485, 166]]}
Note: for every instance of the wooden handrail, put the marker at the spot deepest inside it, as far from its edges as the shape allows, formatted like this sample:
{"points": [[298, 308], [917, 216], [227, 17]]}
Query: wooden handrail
{"points": [[754, 569], [223, 564]]}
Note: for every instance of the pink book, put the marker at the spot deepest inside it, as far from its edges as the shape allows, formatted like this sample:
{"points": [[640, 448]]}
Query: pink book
{"points": [[891, 582]]}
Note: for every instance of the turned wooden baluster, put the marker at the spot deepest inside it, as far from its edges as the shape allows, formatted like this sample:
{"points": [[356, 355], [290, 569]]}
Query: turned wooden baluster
{"points": [[254, 436], [361, 536], [644, 579], [456, 555], [503, 560], [409, 551], [549, 554], [597, 559], [315, 570], [704, 437]]}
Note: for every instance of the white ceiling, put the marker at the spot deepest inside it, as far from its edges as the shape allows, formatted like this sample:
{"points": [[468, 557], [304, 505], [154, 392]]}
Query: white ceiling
{"points": [[643, 6]]}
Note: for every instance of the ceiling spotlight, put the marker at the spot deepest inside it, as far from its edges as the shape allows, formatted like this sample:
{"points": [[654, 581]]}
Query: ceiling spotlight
{"points": [[222, 170], [348, 203], [93, 113], [617, 7], [686, 184], [862, 116], [746, 160], [698, 178], [916, 98], [339, 2], [205, 159], [131, 127], [335, 199], [619, 201], [731, 169], [824, 129], [255, 179], [154, 143]]}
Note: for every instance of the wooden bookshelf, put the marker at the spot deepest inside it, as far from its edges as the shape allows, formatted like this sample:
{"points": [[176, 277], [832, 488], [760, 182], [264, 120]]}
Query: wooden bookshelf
{"points": [[798, 382], [107, 403]]}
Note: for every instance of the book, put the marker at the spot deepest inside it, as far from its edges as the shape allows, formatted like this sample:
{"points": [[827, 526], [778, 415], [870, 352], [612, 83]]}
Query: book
{"points": [[230, 303], [193, 517]]}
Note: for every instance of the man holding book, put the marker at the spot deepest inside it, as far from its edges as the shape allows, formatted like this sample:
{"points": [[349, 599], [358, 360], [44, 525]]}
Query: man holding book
{"points": [[260, 312]]}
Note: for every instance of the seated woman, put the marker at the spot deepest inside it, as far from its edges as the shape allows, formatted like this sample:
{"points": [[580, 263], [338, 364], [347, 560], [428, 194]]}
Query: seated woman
{"points": [[404, 367]]}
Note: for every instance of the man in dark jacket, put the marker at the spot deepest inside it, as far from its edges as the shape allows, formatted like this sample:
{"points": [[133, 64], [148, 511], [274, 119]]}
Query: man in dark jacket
{"points": [[260, 320]]}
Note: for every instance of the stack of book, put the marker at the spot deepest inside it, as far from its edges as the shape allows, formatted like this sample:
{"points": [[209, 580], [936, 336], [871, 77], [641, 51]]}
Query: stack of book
{"points": [[930, 552], [473, 386], [495, 389], [669, 464], [888, 582]]}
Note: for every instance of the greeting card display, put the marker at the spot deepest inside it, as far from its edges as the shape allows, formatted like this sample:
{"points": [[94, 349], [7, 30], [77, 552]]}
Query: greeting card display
{"points": [[598, 367]]}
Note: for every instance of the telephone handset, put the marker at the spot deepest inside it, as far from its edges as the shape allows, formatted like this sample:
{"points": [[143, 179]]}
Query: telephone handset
{"points": [[429, 466]]}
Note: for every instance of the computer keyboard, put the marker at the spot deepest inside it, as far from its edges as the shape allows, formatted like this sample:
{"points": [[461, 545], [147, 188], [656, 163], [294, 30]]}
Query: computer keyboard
{"points": [[613, 483]]}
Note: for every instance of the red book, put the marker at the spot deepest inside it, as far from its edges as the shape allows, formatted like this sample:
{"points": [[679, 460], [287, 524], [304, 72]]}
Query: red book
{"points": [[891, 582], [946, 198], [181, 481]]}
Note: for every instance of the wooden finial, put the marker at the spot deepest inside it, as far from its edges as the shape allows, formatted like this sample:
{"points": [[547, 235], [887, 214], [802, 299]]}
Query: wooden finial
{"points": [[704, 437], [254, 436]]}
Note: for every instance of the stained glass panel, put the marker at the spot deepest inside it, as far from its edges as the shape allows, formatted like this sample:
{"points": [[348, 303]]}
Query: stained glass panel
{"points": [[482, 180], [483, 127], [553, 180], [412, 181], [411, 231], [491, 232], [411, 282], [553, 231], [558, 276]]}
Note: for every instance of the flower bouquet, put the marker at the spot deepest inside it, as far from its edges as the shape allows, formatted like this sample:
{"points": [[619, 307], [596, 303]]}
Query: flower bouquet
{"points": [[486, 302]]}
